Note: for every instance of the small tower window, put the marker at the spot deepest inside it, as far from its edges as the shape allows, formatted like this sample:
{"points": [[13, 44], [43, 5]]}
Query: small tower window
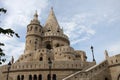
{"points": [[30, 28], [30, 41], [41, 59], [35, 28]]}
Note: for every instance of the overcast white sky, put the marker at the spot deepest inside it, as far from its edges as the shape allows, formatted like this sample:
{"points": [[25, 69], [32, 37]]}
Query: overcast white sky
{"points": [[86, 22]]}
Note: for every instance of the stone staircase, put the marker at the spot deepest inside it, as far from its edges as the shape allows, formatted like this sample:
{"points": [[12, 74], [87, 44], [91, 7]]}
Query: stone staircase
{"points": [[89, 73]]}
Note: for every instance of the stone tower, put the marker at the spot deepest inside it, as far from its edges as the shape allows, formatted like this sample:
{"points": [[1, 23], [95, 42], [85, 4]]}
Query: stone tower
{"points": [[34, 35]]}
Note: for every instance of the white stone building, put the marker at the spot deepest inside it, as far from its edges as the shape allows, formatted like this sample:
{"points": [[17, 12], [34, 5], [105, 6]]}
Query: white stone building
{"points": [[49, 42]]}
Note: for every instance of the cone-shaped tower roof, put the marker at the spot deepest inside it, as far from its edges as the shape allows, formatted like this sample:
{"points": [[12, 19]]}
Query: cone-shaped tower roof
{"points": [[35, 19], [52, 21]]}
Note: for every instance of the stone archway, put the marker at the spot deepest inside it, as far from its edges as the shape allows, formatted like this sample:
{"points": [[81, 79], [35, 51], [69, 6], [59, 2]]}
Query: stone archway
{"points": [[48, 46]]}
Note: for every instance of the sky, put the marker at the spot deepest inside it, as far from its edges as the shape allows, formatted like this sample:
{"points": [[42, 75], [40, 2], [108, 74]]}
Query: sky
{"points": [[85, 22]]}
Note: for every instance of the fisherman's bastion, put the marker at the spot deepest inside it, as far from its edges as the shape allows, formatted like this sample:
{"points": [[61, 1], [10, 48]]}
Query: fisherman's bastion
{"points": [[49, 56]]}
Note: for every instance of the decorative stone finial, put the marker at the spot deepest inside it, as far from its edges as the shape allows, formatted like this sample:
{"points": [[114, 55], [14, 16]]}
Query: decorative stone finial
{"points": [[12, 60], [36, 15], [106, 54]]}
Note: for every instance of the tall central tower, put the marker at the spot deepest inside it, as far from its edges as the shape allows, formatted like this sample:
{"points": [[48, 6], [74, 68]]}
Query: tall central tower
{"points": [[53, 34]]}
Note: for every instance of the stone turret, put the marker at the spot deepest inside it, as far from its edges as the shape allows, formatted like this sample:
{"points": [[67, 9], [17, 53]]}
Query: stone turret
{"points": [[54, 36], [34, 35]]}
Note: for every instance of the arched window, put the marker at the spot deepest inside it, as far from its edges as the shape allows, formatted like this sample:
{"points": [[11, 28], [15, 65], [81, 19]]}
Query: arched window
{"points": [[35, 28], [30, 77], [48, 46], [30, 28], [57, 45], [22, 77], [18, 77], [54, 77], [35, 77], [118, 77], [41, 58], [48, 77], [40, 77]]}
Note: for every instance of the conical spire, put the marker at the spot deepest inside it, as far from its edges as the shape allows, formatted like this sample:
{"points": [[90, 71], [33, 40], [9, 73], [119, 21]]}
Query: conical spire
{"points": [[51, 20]]}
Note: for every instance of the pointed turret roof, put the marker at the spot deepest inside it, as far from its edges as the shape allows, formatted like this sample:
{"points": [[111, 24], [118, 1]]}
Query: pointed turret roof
{"points": [[51, 20], [35, 19]]}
